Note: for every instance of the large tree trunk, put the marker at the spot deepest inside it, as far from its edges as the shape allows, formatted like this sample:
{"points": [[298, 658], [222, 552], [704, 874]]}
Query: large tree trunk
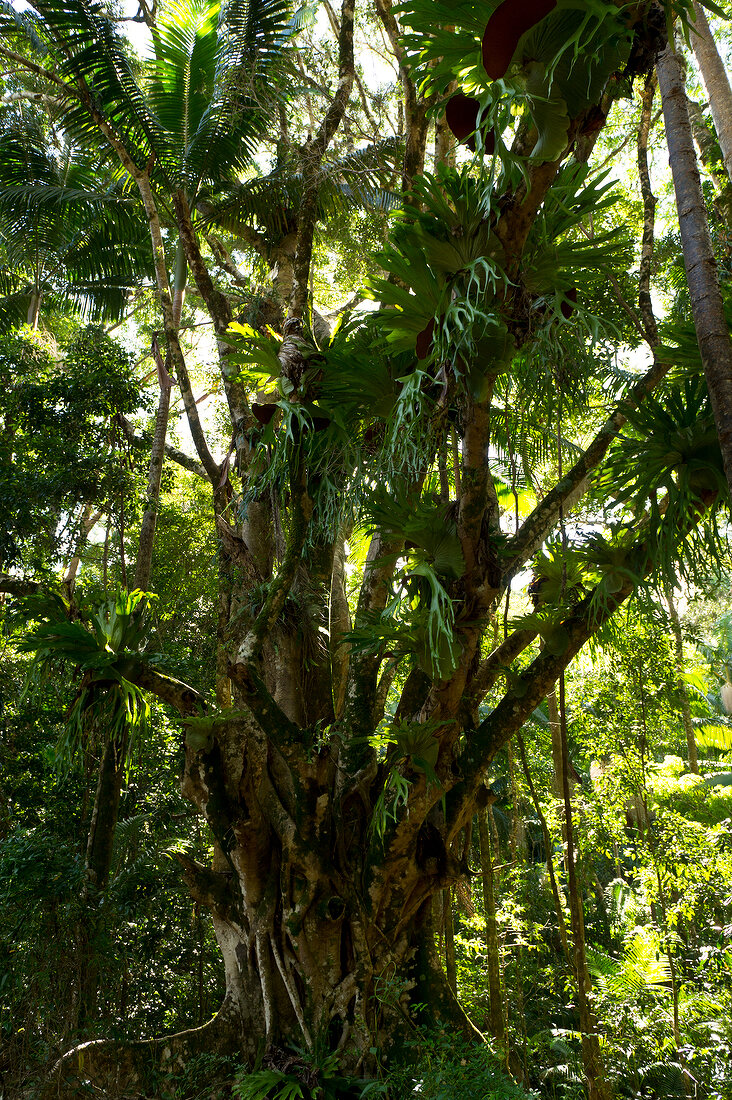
{"points": [[716, 82], [319, 939], [701, 268]]}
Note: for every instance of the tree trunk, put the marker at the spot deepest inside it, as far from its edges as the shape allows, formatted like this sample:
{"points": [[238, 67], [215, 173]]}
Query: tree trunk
{"points": [[100, 843], [88, 520], [495, 993], [709, 154], [321, 940], [34, 309], [716, 82], [548, 845], [415, 108], [645, 303], [701, 268], [683, 689], [146, 544], [598, 1087], [556, 734], [448, 921]]}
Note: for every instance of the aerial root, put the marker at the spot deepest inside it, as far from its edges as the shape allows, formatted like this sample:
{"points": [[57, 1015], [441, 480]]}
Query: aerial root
{"points": [[118, 1069]]}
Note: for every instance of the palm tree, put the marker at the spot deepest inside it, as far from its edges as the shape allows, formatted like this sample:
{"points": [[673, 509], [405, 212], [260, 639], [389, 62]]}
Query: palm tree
{"points": [[328, 850], [195, 124], [716, 82], [67, 237], [701, 269]]}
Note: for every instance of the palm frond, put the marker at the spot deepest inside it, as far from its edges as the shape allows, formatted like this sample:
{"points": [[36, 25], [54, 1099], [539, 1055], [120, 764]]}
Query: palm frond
{"points": [[92, 50]]}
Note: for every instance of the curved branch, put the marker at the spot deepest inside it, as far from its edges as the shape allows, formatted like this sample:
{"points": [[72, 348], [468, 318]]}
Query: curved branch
{"points": [[143, 441], [182, 697], [491, 667], [528, 692], [19, 586], [110, 1064], [575, 483]]}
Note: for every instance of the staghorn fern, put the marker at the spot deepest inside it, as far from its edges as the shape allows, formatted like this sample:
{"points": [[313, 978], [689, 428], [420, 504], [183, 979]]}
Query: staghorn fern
{"points": [[106, 700]]}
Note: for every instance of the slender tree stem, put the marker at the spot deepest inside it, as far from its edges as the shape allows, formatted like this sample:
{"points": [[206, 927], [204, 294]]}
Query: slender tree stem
{"points": [[701, 268]]}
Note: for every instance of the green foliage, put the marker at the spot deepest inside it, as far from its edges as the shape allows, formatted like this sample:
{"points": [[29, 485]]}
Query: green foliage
{"points": [[306, 1076], [149, 945], [449, 268], [106, 699], [558, 577], [210, 86], [445, 1066], [642, 969], [58, 446], [68, 235], [561, 63]]}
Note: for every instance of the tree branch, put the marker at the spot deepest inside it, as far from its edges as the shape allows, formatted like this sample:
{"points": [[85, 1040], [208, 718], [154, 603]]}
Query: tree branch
{"points": [[279, 589], [415, 109], [536, 527], [182, 697], [311, 159], [530, 689], [491, 667], [143, 441], [19, 586]]}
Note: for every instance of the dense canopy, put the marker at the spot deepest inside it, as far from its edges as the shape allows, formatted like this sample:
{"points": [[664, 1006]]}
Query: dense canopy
{"points": [[365, 465]]}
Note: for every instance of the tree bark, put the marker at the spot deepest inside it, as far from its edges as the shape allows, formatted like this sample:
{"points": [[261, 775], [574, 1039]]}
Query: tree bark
{"points": [[649, 215], [716, 82], [88, 521], [415, 108], [597, 1085], [683, 690], [448, 923], [98, 865], [710, 156], [701, 268], [559, 907], [495, 992], [143, 567]]}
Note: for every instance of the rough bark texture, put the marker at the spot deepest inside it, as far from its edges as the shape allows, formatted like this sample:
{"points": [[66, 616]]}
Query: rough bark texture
{"points": [[701, 268], [495, 993], [322, 885], [710, 157]]}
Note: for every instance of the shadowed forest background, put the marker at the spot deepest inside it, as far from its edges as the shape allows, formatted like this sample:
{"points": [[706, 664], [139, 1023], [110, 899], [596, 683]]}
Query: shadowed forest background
{"points": [[365, 583]]}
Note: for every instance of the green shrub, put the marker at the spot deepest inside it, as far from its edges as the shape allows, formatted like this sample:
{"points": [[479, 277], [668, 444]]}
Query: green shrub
{"points": [[446, 1067]]}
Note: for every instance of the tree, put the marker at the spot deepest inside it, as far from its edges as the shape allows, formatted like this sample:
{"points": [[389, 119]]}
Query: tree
{"points": [[343, 762], [701, 268], [716, 82]]}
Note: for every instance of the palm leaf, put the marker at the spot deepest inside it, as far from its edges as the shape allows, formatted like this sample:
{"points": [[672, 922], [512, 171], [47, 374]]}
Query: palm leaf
{"points": [[93, 51]]}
